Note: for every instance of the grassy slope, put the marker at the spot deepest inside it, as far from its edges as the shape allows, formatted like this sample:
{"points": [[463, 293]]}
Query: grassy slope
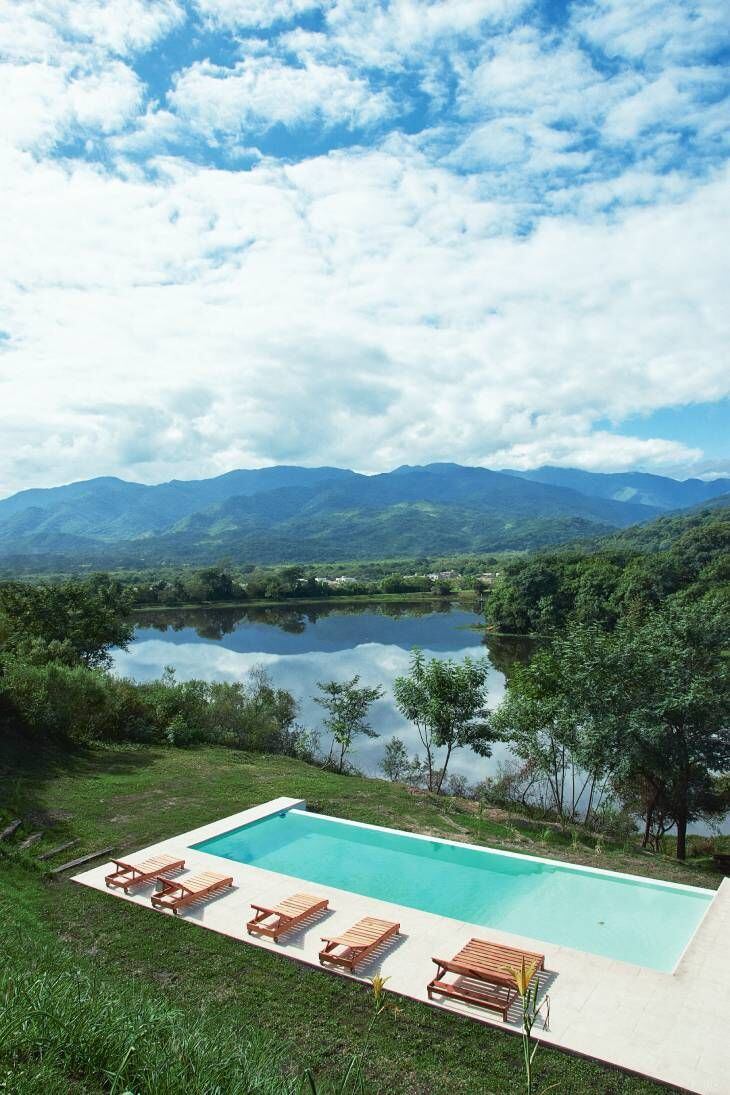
{"points": [[131, 797]]}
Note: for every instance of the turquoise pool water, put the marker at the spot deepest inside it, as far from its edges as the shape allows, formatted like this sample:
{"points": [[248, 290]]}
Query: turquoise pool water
{"points": [[644, 922]]}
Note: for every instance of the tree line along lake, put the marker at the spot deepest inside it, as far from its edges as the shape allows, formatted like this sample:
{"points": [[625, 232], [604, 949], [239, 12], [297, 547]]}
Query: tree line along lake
{"points": [[299, 645]]}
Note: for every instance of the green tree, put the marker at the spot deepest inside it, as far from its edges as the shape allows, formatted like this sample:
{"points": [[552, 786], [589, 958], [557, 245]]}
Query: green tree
{"points": [[347, 705], [547, 718], [74, 622], [396, 762], [680, 720], [213, 584], [645, 706], [446, 701], [394, 583]]}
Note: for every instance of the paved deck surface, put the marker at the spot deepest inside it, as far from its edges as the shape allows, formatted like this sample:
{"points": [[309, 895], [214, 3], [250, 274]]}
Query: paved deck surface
{"points": [[672, 1027]]}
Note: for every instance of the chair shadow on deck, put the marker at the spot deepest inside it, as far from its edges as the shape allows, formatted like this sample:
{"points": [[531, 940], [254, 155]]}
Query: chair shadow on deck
{"points": [[194, 910], [369, 966], [545, 980], [296, 934]]}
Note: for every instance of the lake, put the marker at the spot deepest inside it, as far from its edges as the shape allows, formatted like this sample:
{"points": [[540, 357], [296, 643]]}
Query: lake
{"points": [[301, 645]]}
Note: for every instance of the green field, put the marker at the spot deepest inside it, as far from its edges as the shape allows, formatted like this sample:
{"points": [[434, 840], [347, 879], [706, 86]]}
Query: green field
{"points": [[222, 993]]}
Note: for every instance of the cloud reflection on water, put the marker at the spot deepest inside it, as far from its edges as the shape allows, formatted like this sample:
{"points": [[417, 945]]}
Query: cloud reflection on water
{"points": [[320, 646]]}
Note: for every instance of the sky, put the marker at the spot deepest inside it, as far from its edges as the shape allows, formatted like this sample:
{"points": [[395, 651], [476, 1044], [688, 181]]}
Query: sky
{"points": [[362, 233]]}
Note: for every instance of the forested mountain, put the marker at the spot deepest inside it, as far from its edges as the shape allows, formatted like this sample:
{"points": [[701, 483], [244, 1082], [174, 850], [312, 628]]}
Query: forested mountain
{"points": [[630, 572], [284, 514], [631, 486]]}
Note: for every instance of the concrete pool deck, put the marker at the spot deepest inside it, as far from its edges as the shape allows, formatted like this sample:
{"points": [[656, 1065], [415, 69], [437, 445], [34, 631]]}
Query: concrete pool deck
{"points": [[672, 1027]]}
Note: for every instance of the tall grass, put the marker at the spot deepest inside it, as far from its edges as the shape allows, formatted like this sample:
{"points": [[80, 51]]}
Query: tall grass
{"points": [[63, 1023], [64, 1027]]}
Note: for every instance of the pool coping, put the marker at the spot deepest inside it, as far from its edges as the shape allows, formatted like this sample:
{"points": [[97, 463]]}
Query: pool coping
{"points": [[599, 1005], [578, 867]]}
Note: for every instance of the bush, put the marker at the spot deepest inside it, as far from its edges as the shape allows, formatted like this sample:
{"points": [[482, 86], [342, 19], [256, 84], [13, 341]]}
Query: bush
{"points": [[82, 705], [66, 701], [458, 786]]}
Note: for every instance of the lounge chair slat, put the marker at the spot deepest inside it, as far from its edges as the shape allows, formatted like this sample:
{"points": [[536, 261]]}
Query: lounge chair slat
{"points": [[129, 874], [357, 943], [273, 921], [175, 894], [487, 966]]}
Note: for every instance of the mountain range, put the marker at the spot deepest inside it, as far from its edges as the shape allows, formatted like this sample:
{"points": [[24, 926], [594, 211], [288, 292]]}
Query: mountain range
{"points": [[658, 491], [285, 513]]}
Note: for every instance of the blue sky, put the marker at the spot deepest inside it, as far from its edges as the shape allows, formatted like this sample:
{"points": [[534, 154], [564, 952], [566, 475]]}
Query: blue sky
{"points": [[362, 232]]}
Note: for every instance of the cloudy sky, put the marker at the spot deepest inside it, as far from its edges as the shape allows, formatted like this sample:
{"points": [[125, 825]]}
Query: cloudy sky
{"points": [[364, 233]]}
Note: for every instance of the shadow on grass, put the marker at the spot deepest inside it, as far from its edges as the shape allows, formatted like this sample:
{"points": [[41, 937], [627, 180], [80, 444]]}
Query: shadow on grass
{"points": [[28, 764]]}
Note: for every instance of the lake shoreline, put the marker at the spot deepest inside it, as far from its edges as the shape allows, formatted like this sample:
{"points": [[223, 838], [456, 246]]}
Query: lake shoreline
{"points": [[356, 598]]}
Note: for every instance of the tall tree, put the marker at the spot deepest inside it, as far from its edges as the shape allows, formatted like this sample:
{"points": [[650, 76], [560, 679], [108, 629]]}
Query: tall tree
{"points": [[71, 621], [680, 723], [347, 706], [646, 706], [446, 701]]}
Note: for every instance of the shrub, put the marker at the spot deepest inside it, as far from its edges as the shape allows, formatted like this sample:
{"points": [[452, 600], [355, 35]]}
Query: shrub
{"points": [[68, 701], [82, 705]]}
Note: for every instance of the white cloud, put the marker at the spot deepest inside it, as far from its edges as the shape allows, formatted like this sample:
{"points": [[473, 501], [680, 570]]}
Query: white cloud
{"points": [[254, 13], [524, 72], [374, 305], [653, 30], [676, 100], [260, 92], [361, 309], [597, 451], [62, 75], [47, 29], [41, 103], [390, 34], [515, 140]]}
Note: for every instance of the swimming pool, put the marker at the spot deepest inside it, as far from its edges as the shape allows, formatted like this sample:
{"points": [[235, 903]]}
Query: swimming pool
{"points": [[619, 916]]}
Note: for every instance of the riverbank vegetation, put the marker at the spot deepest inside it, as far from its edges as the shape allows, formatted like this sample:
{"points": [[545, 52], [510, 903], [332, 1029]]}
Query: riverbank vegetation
{"points": [[55, 680], [637, 716], [127, 968], [627, 699], [240, 583], [633, 573]]}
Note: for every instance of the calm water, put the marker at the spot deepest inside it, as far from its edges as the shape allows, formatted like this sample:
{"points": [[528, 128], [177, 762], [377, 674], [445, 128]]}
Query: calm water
{"points": [[648, 923], [299, 647]]}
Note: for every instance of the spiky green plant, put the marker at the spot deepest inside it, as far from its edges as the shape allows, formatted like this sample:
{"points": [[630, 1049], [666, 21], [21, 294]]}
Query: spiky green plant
{"points": [[528, 989]]}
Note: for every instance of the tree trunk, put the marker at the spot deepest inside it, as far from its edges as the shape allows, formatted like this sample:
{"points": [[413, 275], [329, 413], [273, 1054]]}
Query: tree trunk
{"points": [[426, 743], [682, 836], [683, 810], [443, 770]]}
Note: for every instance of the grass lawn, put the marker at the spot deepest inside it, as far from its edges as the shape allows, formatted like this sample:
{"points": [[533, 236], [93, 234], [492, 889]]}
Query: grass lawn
{"points": [[132, 796]]}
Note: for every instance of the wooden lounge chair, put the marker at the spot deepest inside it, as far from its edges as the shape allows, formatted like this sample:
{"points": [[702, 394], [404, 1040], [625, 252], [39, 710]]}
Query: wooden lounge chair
{"points": [[285, 916], [176, 894], [357, 943], [483, 971], [136, 874]]}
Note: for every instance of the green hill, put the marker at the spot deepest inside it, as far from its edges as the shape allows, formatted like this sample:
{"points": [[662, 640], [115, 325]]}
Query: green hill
{"points": [[282, 514], [634, 570]]}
